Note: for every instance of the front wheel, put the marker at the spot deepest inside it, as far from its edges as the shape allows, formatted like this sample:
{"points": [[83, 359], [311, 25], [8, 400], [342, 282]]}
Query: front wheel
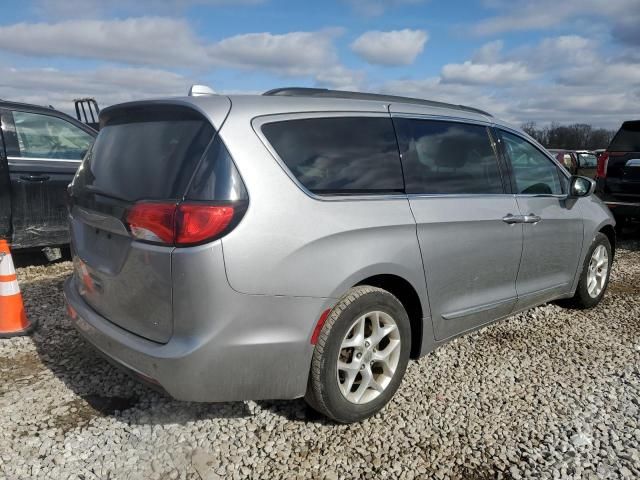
{"points": [[595, 275], [361, 355]]}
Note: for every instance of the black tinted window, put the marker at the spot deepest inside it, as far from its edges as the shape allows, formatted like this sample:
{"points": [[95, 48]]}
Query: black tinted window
{"points": [[447, 158], [217, 178], [627, 139], [533, 172], [149, 153], [340, 154]]}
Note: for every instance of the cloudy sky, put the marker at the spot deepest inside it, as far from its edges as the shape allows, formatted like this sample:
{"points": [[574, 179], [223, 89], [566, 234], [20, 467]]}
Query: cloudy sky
{"points": [[537, 60]]}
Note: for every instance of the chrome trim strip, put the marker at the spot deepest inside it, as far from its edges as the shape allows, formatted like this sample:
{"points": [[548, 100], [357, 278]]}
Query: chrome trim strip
{"points": [[443, 118], [634, 162], [623, 204], [43, 159]]}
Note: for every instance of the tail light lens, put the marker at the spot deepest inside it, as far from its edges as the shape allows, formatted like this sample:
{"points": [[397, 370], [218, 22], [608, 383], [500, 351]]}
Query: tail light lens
{"points": [[197, 223], [601, 168], [180, 224]]}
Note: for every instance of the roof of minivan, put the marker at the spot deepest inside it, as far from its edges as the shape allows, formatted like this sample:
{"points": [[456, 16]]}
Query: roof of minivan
{"points": [[257, 105]]}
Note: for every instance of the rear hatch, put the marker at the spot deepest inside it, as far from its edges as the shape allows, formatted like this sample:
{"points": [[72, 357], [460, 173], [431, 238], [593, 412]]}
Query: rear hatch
{"points": [[145, 153], [623, 168]]}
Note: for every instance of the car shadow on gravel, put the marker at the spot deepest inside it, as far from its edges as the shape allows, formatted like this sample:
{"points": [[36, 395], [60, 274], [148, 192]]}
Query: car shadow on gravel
{"points": [[102, 389], [628, 237]]}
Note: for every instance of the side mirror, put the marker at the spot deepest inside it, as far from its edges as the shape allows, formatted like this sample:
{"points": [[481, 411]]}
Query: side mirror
{"points": [[581, 187]]}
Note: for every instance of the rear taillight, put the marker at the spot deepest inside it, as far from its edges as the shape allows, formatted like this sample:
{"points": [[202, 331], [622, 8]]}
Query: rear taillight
{"points": [[197, 223], [601, 168], [181, 225]]}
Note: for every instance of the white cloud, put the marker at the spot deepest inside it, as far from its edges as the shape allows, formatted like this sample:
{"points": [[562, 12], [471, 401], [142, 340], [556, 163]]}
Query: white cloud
{"points": [[165, 42], [518, 15], [295, 53], [396, 47], [566, 79], [141, 41], [374, 8], [470, 73], [489, 52], [45, 86]]}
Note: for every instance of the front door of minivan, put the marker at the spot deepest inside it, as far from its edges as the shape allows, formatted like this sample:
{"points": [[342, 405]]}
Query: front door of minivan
{"points": [[467, 226], [553, 229]]}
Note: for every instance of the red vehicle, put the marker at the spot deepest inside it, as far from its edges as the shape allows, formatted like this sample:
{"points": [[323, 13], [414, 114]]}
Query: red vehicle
{"points": [[577, 162]]}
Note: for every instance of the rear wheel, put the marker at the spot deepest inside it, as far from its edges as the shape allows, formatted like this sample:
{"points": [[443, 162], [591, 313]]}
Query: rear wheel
{"points": [[595, 275], [361, 355]]}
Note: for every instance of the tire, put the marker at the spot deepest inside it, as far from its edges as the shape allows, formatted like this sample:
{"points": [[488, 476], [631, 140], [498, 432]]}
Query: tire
{"points": [[356, 312], [582, 298]]}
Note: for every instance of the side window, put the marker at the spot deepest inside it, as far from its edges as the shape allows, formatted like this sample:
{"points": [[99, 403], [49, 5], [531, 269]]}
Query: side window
{"points": [[339, 155], [44, 136], [533, 172], [447, 158]]}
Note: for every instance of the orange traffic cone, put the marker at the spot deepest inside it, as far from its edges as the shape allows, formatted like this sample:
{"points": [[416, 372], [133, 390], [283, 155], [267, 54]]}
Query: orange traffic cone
{"points": [[13, 319]]}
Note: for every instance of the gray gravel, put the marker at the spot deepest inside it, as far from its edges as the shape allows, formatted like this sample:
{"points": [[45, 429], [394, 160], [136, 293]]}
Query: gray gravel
{"points": [[546, 394]]}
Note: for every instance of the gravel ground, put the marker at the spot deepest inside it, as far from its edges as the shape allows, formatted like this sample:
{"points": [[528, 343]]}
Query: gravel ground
{"points": [[545, 394]]}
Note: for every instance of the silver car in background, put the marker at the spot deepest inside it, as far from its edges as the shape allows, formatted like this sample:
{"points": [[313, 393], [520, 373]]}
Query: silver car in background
{"points": [[308, 242]]}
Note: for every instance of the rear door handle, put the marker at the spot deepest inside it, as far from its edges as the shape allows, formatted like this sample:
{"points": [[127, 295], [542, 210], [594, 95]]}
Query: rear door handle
{"points": [[512, 219], [531, 218], [34, 178]]}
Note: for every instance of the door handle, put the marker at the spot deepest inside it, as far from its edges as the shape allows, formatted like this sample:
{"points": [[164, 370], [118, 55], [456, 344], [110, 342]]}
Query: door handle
{"points": [[34, 178], [531, 218], [512, 219]]}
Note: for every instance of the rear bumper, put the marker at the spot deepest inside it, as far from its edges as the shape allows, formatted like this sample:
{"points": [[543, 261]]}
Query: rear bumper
{"points": [[257, 348]]}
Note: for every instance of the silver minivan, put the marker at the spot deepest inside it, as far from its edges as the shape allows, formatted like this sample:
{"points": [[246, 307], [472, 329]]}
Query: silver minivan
{"points": [[309, 242]]}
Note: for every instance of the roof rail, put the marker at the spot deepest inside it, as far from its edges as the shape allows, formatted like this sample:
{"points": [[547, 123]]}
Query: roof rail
{"points": [[326, 93]]}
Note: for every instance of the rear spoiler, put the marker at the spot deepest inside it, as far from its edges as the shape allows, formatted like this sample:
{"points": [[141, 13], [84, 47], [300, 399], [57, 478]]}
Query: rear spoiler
{"points": [[89, 113]]}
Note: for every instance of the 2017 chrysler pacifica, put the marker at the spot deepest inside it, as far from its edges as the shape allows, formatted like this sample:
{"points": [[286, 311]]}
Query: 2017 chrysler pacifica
{"points": [[308, 242]]}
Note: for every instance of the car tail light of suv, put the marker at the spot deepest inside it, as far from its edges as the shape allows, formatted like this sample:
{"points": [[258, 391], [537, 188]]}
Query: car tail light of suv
{"points": [[601, 168], [181, 224]]}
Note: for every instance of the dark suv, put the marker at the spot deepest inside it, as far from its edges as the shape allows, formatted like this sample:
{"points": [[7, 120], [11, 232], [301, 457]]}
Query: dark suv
{"points": [[618, 172], [40, 151]]}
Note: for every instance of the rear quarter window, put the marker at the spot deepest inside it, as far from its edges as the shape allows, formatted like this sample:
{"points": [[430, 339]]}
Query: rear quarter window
{"points": [[339, 155]]}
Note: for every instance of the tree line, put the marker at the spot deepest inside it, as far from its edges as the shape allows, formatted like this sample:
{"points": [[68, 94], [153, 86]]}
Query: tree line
{"points": [[578, 136]]}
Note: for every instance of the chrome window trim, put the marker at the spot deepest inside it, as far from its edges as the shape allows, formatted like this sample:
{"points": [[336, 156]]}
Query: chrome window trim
{"points": [[43, 159], [441, 118]]}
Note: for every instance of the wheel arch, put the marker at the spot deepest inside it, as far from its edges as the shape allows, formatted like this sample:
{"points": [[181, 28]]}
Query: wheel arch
{"points": [[610, 233], [408, 296]]}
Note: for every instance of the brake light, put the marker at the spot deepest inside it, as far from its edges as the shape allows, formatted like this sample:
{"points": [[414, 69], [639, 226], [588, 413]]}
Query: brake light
{"points": [[180, 225], [603, 162], [152, 222], [196, 223]]}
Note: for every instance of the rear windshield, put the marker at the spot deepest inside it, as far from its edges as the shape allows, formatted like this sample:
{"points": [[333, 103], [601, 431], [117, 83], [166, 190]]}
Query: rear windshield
{"points": [[145, 153], [339, 155], [627, 139]]}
